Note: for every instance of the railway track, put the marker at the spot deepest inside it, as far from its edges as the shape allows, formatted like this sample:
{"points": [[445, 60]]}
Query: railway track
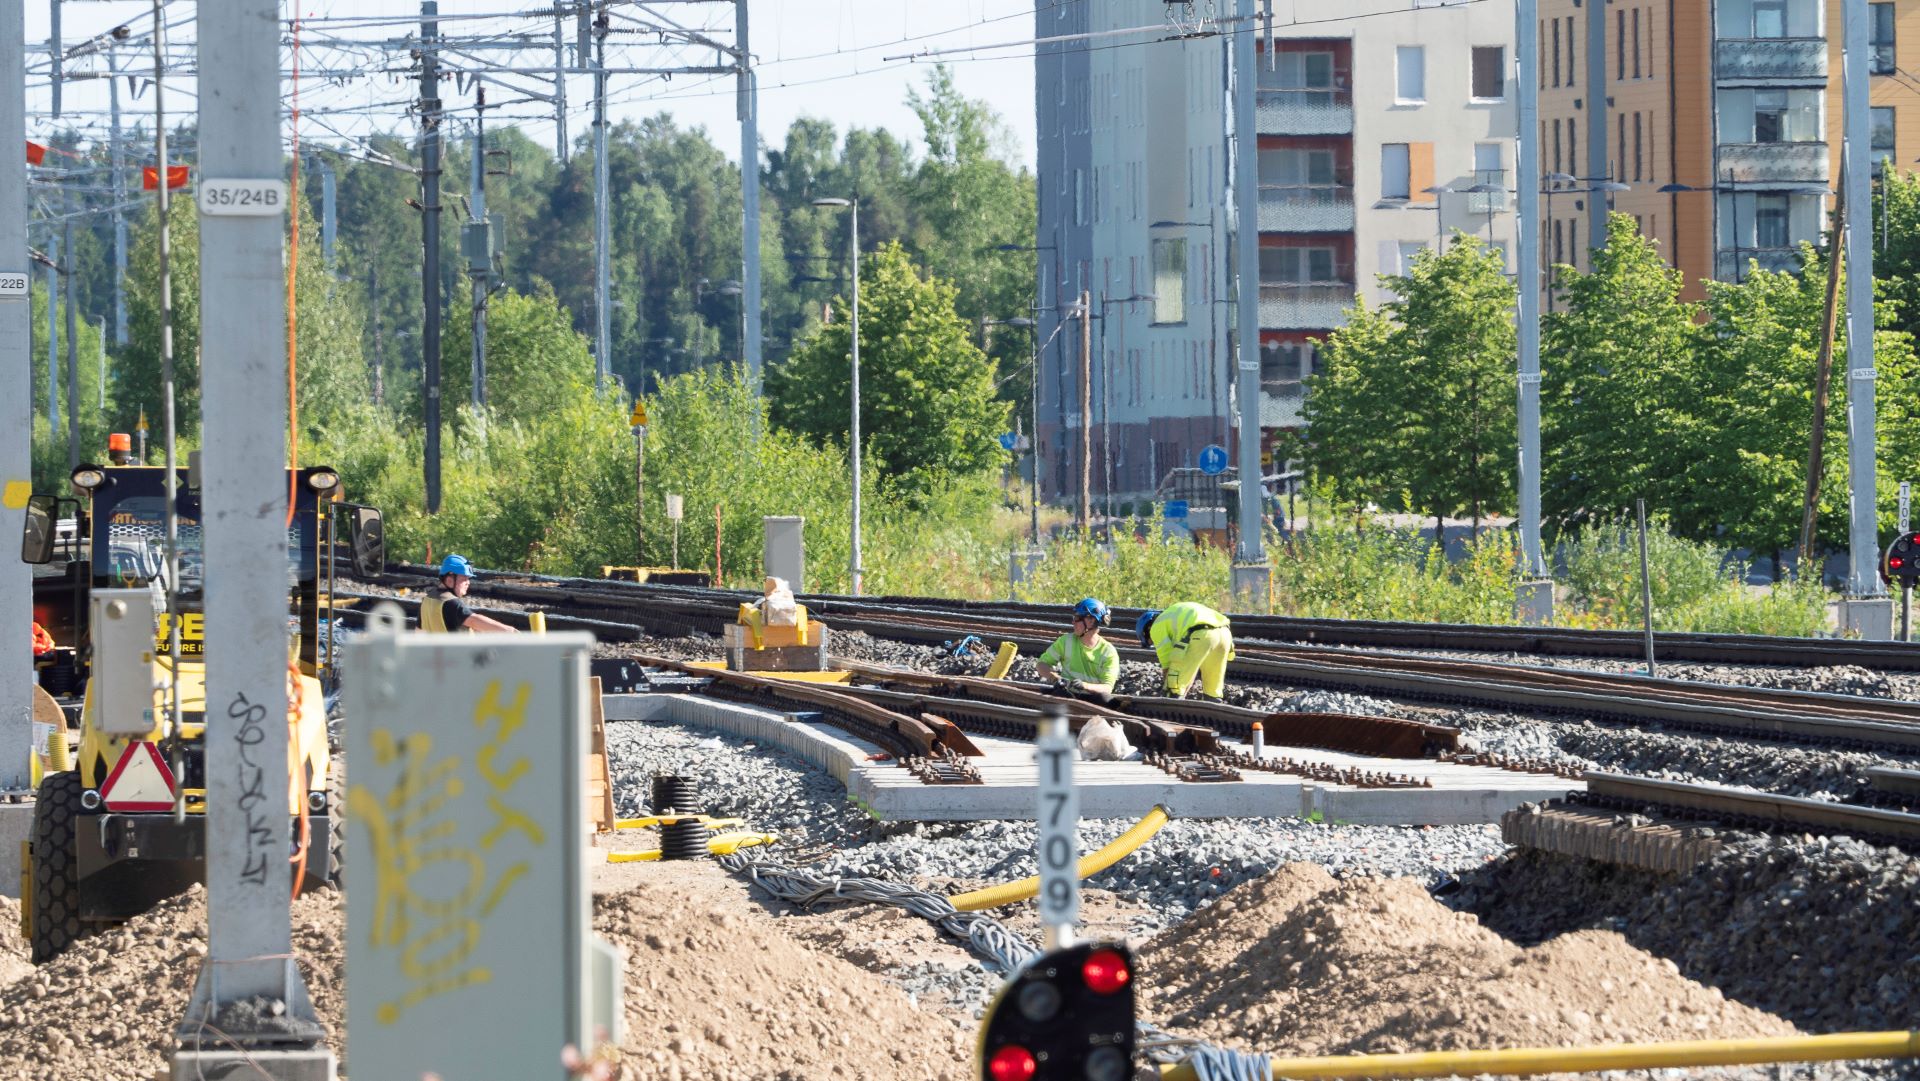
{"points": [[1535, 641], [1801, 717], [1670, 826]]}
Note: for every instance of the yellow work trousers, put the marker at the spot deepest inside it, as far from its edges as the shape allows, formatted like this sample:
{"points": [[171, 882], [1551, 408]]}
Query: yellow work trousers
{"points": [[1206, 654]]}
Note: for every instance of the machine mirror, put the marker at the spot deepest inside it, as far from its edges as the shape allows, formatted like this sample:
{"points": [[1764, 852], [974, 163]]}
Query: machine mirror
{"points": [[369, 542], [36, 539]]}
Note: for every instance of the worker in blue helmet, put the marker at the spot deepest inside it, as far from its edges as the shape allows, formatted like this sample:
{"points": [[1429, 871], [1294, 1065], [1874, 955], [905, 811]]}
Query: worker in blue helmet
{"points": [[1190, 639], [1084, 664], [447, 609]]}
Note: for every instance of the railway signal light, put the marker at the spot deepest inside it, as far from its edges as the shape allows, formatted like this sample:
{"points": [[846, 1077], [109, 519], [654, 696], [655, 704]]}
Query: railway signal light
{"points": [[1067, 1015], [1902, 561]]}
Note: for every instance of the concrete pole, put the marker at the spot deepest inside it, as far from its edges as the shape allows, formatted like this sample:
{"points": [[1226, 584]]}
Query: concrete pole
{"points": [[117, 153], [430, 287], [1526, 244], [1246, 200], [1872, 612], [602, 241], [1086, 409], [853, 431], [1598, 120], [53, 334], [73, 337], [100, 328], [16, 399], [749, 109], [243, 380], [329, 214], [54, 51], [477, 382]]}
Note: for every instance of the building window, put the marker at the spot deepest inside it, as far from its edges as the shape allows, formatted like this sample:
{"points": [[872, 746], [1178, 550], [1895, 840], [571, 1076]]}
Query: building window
{"points": [[1620, 45], [1880, 48], [1559, 252], [1573, 53], [1769, 116], [1769, 18], [1396, 171], [1293, 167], [1411, 68], [1296, 266], [1409, 251], [1170, 281], [1556, 52], [1770, 221], [1636, 43], [1297, 71], [1881, 144], [1489, 170], [1489, 72], [1636, 147], [1558, 165]]}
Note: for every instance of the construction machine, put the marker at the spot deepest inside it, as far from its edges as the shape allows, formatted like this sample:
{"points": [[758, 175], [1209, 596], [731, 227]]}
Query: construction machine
{"points": [[119, 820]]}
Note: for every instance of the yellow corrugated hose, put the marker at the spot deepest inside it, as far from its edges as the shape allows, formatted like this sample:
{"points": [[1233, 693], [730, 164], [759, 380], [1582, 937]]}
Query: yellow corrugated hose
{"points": [[1632, 1056], [1121, 846]]}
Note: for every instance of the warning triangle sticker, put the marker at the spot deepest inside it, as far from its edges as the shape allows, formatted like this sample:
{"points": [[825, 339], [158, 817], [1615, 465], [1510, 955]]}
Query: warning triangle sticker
{"points": [[140, 781]]}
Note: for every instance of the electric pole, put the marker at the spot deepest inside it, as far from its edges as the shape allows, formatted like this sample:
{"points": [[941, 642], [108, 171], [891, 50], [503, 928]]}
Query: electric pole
{"points": [[73, 336], [748, 109], [602, 327], [1250, 571], [117, 155], [244, 365], [16, 398], [430, 237], [479, 249]]}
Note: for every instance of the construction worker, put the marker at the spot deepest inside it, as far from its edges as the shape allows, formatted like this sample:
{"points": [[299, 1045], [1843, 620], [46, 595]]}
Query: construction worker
{"points": [[447, 609], [1087, 665], [1189, 639]]}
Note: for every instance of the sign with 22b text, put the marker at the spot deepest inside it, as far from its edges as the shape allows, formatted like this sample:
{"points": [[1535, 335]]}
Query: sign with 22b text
{"points": [[13, 283]]}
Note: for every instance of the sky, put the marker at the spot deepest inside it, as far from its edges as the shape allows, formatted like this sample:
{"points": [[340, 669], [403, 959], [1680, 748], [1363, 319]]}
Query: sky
{"points": [[840, 60]]}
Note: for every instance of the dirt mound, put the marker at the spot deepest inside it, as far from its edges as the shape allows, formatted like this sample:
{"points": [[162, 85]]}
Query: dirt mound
{"points": [[760, 1004], [13, 948], [106, 1008], [1297, 963]]}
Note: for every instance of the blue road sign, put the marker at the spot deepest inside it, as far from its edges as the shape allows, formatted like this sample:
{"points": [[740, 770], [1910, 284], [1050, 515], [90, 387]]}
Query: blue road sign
{"points": [[1007, 440], [1176, 508], [1213, 460]]}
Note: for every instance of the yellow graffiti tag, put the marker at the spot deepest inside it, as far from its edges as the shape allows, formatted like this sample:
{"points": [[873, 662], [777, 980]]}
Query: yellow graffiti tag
{"points": [[414, 829]]}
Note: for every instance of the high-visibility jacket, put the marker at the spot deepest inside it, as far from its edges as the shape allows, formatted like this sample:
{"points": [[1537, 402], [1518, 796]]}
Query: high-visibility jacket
{"points": [[1173, 626], [431, 617], [1101, 664]]}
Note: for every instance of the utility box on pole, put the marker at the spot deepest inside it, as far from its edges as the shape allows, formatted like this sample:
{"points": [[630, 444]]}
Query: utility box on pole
{"points": [[469, 851], [786, 549]]}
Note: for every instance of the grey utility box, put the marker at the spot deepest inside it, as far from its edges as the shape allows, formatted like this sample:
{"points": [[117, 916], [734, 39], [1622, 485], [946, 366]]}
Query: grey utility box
{"points": [[786, 552]]}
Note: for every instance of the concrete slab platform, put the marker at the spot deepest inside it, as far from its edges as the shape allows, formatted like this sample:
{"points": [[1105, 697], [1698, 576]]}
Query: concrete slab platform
{"points": [[16, 827], [1461, 794]]}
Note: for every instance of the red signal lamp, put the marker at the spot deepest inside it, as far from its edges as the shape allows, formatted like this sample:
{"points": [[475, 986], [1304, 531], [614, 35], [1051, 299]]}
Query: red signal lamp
{"points": [[1105, 971], [1012, 1063]]}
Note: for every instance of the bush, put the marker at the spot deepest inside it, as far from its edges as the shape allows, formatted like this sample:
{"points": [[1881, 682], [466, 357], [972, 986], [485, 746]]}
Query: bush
{"points": [[1149, 573], [1603, 572], [1395, 574]]}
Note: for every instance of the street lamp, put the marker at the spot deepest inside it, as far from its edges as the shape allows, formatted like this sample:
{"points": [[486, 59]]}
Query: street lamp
{"points": [[853, 431]]}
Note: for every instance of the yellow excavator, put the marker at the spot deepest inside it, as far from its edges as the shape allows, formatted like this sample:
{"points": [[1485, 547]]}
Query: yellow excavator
{"points": [[119, 824]]}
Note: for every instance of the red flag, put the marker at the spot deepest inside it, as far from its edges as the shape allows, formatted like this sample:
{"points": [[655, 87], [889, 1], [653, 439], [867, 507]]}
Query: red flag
{"points": [[35, 153], [176, 177]]}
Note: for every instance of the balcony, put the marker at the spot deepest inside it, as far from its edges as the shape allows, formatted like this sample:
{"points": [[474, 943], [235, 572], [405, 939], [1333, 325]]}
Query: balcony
{"points": [[1306, 208], [1304, 305], [1731, 264], [1304, 112], [1774, 163], [1771, 61]]}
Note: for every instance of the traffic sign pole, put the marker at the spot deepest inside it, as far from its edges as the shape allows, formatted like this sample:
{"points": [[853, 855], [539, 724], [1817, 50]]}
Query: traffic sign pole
{"points": [[1059, 831]]}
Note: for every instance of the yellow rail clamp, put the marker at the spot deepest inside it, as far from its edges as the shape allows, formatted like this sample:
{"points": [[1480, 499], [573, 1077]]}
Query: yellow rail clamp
{"points": [[655, 820], [537, 622], [1630, 1056], [1117, 849], [1003, 661], [725, 844]]}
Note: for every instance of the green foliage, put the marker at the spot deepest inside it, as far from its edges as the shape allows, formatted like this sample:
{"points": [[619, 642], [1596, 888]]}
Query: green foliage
{"points": [[536, 362], [1130, 572], [928, 414], [137, 375], [1612, 426], [1393, 574], [1603, 571], [1418, 398], [50, 465]]}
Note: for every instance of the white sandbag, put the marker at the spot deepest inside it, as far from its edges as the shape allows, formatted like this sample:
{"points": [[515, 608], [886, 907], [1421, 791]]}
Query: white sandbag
{"points": [[1102, 741], [778, 606]]}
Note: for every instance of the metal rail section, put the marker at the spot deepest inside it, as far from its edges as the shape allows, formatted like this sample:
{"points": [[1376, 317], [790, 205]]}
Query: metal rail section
{"points": [[1735, 808], [1491, 638]]}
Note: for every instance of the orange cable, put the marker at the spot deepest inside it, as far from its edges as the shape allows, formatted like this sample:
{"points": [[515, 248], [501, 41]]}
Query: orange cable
{"points": [[296, 700]]}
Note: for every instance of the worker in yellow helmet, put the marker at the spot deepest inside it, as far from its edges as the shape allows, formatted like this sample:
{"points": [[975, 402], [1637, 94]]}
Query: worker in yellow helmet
{"points": [[1190, 639]]}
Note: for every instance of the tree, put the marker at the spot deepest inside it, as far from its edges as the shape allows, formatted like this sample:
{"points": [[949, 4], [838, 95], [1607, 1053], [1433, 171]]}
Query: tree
{"points": [[50, 449], [138, 378], [536, 361], [1613, 362], [928, 413], [1419, 399]]}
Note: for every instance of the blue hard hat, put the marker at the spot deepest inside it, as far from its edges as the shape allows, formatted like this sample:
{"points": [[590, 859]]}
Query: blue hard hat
{"points": [[456, 565], [1092, 608], [1145, 625]]}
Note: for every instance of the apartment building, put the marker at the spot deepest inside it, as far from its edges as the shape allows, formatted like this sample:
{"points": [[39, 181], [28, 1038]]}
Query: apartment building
{"points": [[1716, 124], [1380, 135]]}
